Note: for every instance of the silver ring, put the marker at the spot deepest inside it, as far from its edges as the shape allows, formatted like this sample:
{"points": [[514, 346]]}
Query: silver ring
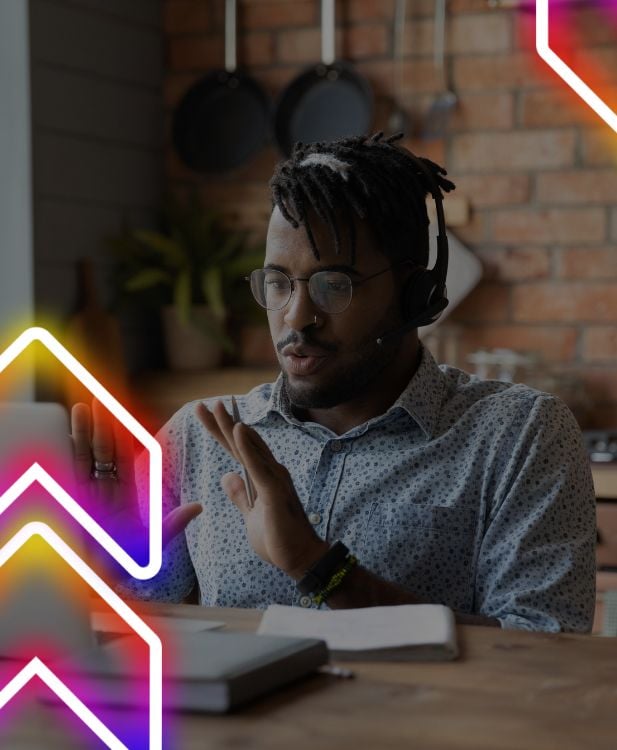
{"points": [[104, 470]]}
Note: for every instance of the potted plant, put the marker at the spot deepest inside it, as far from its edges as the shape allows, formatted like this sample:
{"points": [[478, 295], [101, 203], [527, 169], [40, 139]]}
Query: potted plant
{"points": [[186, 269]]}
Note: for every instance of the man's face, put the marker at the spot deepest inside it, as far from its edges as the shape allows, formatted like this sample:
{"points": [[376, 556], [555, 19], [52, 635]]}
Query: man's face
{"points": [[338, 359]]}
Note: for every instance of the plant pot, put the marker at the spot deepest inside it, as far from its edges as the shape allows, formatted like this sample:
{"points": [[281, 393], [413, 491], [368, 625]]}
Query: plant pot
{"points": [[187, 346], [255, 348]]}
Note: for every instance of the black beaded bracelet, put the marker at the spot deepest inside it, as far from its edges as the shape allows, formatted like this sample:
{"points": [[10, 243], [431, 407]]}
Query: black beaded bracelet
{"points": [[319, 575]]}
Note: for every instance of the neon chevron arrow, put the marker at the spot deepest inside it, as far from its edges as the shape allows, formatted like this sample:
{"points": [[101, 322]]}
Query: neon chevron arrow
{"points": [[564, 71], [155, 519]]}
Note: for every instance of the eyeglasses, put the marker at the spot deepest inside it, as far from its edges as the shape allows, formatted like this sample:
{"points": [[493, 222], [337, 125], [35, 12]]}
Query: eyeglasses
{"points": [[331, 291]]}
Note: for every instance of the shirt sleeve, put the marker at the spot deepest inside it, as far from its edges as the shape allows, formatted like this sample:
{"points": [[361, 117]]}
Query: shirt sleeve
{"points": [[536, 566], [176, 578]]}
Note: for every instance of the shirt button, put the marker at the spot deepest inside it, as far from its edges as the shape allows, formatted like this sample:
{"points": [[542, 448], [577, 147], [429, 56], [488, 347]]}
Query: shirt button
{"points": [[336, 446], [305, 601], [314, 518]]}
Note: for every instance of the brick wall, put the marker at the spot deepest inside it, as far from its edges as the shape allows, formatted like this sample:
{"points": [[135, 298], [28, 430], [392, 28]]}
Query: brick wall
{"points": [[539, 170]]}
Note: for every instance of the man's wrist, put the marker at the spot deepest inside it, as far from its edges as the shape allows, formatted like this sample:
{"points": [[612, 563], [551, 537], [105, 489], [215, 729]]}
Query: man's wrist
{"points": [[316, 552]]}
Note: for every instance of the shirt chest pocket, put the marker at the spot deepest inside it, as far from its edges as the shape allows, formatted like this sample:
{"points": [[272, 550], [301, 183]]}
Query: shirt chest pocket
{"points": [[426, 548]]}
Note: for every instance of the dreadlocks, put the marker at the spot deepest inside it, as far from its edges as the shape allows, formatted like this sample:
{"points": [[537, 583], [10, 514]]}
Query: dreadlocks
{"points": [[368, 177]]}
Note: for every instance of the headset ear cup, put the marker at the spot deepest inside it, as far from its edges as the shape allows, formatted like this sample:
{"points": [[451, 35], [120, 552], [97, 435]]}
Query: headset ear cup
{"points": [[418, 295]]}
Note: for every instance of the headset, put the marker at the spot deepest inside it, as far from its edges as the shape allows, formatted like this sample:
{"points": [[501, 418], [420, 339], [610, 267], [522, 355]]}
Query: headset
{"points": [[423, 297]]}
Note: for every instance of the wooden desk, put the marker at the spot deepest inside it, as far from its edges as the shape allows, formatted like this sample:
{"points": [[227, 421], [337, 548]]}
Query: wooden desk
{"points": [[508, 691]]}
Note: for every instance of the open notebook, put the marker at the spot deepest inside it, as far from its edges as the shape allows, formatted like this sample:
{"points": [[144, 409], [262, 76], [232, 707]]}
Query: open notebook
{"points": [[409, 632]]}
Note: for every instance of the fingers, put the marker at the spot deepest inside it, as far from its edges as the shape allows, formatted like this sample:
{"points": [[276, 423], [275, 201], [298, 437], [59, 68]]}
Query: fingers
{"points": [[102, 433], [178, 519], [257, 457], [80, 432], [213, 420]]}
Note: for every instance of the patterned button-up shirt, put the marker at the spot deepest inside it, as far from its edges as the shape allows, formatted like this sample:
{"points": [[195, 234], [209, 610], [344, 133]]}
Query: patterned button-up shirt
{"points": [[476, 494]]}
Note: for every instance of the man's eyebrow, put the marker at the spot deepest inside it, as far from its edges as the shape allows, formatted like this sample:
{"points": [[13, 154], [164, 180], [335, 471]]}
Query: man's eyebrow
{"points": [[331, 267]]}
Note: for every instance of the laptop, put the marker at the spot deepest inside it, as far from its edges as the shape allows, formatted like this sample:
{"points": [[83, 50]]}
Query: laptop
{"points": [[208, 671]]}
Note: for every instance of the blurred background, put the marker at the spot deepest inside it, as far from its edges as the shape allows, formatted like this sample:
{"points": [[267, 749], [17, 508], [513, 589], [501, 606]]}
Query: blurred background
{"points": [[132, 202]]}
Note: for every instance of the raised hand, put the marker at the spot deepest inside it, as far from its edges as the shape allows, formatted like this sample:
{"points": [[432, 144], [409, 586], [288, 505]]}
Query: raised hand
{"points": [[105, 469], [277, 526]]}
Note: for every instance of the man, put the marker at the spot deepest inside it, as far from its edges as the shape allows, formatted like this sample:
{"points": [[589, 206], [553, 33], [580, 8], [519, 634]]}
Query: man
{"points": [[379, 477]]}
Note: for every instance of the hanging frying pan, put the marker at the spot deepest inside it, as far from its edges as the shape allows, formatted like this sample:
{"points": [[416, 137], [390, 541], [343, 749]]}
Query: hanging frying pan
{"points": [[326, 101], [223, 119]]}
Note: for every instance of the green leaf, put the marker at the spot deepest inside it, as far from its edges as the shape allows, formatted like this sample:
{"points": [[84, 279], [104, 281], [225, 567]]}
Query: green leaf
{"points": [[212, 288], [147, 278], [182, 296], [169, 249]]}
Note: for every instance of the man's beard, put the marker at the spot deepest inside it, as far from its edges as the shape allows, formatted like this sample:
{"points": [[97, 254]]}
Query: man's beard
{"points": [[351, 380]]}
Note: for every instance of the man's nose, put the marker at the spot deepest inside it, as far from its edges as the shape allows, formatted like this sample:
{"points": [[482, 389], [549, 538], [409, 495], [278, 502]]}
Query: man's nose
{"points": [[300, 311]]}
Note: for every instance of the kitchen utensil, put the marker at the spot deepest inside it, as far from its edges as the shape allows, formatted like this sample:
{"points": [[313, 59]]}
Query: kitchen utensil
{"points": [[398, 121], [224, 118], [326, 101], [437, 121]]}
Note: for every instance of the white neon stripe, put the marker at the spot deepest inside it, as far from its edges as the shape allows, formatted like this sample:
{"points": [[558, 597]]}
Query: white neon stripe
{"points": [[564, 71], [155, 520], [122, 609], [36, 668], [36, 473]]}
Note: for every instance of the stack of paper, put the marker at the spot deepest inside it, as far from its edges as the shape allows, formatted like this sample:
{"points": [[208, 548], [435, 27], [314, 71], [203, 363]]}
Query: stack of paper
{"points": [[409, 632]]}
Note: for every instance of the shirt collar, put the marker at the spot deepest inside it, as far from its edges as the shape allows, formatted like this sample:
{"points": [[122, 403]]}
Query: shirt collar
{"points": [[421, 399], [424, 394]]}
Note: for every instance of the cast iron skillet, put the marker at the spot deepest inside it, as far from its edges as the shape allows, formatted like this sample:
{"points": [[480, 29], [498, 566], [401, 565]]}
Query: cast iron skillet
{"points": [[326, 101], [224, 118]]}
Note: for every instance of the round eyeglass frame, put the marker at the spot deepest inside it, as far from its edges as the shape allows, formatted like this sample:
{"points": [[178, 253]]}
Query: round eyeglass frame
{"points": [[257, 274]]}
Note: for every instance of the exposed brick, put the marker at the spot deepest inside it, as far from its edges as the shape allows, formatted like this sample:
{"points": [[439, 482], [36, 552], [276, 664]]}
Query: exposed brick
{"points": [[433, 150], [244, 204], [488, 302], [602, 60], [467, 6], [520, 264], [275, 15], [554, 107], [417, 76], [275, 79], [365, 41], [565, 302], [469, 34], [485, 152], [613, 228], [553, 343], [599, 146], [494, 111], [255, 49], [476, 230], [511, 71], [577, 186], [489, 190], [588, 263], [302, 45], [368, 10], [186, 17], [196, 53], [600, 344], [572, 226]]}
